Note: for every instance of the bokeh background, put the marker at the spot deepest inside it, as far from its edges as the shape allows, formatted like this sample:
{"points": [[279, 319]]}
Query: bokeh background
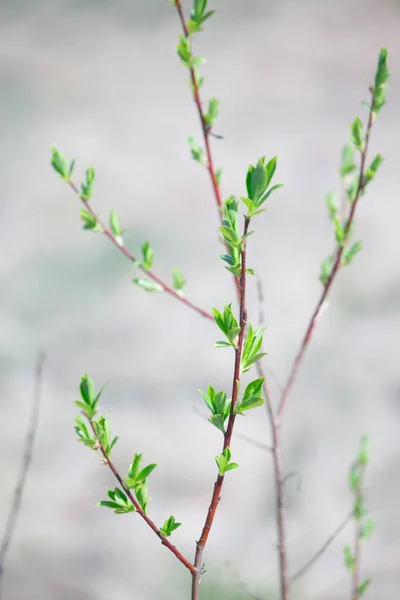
{"points": [[102, 82]]}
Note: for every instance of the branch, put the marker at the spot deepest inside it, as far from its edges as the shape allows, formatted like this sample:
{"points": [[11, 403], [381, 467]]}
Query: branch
{"points": [[323, 548], [229, 430], [206, 130], [15, 507], [108, 233], [336, 263], [137, 506]]}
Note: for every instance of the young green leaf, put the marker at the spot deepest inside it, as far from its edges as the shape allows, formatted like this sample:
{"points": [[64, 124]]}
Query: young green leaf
{"points": [[178, 280], [381, 78], [90, 221], [60, 164], [148, 256], [356, 134], [362, 588], [114, 224], [169, 526], [211, 116], [148, 285], [197, 152], [87, 185], [347, 164]]}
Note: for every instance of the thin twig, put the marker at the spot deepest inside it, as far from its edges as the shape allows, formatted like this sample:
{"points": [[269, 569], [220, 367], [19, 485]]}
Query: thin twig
{"points": [[323, 548], [207, 132], [359, 501], [242, 584], [137, 506], [16, 502], [335, 267], [108, 233], [231, 422]]}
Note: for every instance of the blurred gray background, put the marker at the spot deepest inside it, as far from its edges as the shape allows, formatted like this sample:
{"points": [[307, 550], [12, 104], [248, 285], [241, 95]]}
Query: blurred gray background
{"points": [[101, 81]]}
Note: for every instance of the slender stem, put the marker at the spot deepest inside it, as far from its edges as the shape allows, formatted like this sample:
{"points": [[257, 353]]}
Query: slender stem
{"points": [[335, 267], [322, 549], [359, 501], [216, 496], [16, 502], [108, 233], [137, 506], [206, 132]]}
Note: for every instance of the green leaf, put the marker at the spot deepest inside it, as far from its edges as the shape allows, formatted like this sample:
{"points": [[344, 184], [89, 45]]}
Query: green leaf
{"points": [[222, 344], [372, 169], [114, 224], [169, 526], [367, 529], [87, 185], [218, 421], [326, 270], [213, 109], [349, 559], [87, 389], [354, 477], [142, 496], [90, 221], [134, 467], [148, 285], [231, 466], [144, 473], [347, 164], [356, 134], [60, 163], [178, 280], [350, 253], [362, 588], [258, 181], [381, 77], [363, 457], [148, 256], [331, 202], [197, 152], [184, 51]]}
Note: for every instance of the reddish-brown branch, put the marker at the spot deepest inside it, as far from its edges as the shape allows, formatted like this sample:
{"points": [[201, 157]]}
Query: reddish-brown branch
{"points": [[231, 422], [26, 462], [137, 506], [108, 233], [335, 267], [206, 134]]}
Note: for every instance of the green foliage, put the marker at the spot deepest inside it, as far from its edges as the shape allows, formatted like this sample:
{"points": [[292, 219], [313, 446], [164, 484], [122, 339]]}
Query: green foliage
{"points": [[118, 502], [198, 16], [224, 463], [178, 280], [148, 285], [89, 398], [251, 347], [211, 115], [197, 152], [90, 221], [114, 224], [231, 234], [228, 324], [257, 181], [103, 434], [219, 406], [381, 78], [60, 164], [137, 480], [252, 397], [87, 185], [169, 526], [148, 258]]}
